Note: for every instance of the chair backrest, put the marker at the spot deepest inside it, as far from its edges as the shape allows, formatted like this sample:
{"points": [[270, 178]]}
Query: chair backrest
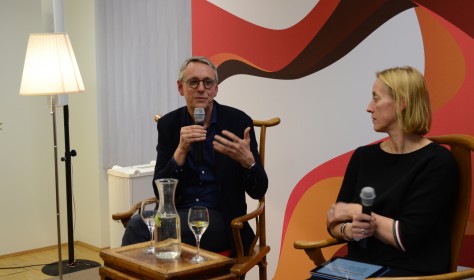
{"points": [[257, 254], [461, 147], [263, 133], [263, 125]]}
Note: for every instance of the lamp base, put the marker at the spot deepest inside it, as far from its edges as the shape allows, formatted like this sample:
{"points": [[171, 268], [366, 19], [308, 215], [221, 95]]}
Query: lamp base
{"points": [[53, 268]]}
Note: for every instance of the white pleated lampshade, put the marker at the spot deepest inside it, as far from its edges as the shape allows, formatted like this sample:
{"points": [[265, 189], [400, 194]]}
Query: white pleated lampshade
{"points": [[50, 66]]}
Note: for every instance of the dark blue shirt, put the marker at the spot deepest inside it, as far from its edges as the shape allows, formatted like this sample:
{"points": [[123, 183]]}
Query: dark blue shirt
{"points": [[199, 189]]}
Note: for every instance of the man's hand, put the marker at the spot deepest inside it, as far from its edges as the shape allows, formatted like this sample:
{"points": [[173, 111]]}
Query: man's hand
{"points": [[188, 135], [238, 149]]}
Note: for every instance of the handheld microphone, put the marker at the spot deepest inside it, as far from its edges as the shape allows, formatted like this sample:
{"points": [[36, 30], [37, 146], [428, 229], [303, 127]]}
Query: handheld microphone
{"points": [[199, 116], [367, 196]]}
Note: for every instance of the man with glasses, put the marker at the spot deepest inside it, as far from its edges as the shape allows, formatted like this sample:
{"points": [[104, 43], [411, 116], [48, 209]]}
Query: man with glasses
{"points": [[230, 165]]}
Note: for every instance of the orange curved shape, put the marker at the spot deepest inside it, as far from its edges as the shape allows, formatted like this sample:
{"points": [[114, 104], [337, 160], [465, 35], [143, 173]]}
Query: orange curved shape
{"points": [[307, 223], [445, 68], [221, 57]]}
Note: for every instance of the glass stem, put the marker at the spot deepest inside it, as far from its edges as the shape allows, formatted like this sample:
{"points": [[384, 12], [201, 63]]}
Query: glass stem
{"points": [[198, 242], [151, 237]]}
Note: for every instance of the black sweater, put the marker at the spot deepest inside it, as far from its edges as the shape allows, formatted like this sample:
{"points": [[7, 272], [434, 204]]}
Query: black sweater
{"points": [[232, 180], [417, 190]]}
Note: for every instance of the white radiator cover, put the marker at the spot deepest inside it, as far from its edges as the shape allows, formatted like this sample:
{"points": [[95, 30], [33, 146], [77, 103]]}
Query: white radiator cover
{"points": [[127, 185]]}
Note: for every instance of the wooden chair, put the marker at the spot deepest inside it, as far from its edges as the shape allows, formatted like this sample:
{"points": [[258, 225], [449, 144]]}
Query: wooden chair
{"points": [[257, 254], [461, 146]]}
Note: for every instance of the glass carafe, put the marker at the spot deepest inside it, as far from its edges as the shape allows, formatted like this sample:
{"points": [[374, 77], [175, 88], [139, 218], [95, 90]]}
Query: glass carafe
{"points": [[167, 223]]}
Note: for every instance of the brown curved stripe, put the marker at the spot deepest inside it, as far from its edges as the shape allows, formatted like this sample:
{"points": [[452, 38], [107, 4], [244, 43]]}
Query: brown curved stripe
{"points": [[458, 13], [350, 24]]}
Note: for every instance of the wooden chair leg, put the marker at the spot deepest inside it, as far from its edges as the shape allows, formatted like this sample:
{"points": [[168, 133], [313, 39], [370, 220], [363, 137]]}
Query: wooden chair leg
{"points": [[316, 256], [262, 267]]}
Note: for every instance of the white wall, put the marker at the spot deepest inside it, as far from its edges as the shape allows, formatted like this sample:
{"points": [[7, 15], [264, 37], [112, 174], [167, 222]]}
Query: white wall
{"points": [[28, 212], [90, 179], [26, 142]]}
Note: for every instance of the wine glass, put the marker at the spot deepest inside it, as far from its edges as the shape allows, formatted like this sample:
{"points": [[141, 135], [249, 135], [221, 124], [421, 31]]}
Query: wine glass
{"points": [[147, 212], [198, 221]]}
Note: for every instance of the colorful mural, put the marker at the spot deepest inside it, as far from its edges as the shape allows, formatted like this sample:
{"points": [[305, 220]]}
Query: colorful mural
{"points": [[328, 33]]}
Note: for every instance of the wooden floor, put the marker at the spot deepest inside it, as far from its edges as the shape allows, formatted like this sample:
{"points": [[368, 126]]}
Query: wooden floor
{"points": [[28, 266]]}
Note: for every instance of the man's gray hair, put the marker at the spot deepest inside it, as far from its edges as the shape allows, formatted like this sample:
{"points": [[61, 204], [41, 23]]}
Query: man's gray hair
{"points": [[200, 59]]}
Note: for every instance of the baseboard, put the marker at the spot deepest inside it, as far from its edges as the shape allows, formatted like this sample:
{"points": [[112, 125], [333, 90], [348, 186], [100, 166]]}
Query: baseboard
{"points": [[91, 247]]}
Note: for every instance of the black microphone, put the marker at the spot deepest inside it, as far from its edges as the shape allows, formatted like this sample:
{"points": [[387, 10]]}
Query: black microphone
{"points": [[199, 116], [367, 196]]}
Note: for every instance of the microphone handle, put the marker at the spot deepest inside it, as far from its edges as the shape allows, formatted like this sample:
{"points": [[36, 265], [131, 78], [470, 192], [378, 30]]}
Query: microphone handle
{"points": [[366, 209], [199, 147]]}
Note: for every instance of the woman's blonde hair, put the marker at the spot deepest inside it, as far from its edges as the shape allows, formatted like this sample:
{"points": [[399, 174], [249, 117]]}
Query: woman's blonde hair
{"points": [[408, 89]]}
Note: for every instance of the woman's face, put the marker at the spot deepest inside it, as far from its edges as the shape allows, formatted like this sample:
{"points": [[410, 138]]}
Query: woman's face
{"points": [[382, 108]]}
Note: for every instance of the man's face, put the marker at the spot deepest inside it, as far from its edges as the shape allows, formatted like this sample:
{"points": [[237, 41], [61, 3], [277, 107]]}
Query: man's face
{"points": [[205, 91]]}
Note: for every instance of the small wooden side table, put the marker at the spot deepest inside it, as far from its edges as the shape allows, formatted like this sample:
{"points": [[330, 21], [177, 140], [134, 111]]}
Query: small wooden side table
{"points": [[131, 263]]}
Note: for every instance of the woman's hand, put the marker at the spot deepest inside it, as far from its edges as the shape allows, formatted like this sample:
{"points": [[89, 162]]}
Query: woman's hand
{"points": [[363, 226], [360, 225], [341, 212]]}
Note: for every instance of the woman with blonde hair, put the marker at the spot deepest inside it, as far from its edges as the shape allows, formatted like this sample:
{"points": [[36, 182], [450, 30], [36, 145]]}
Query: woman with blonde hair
{"points": [[414, 181]]}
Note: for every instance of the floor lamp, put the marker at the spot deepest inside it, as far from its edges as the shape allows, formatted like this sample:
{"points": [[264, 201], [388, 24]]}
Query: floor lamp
{"points": [[51, 69]]}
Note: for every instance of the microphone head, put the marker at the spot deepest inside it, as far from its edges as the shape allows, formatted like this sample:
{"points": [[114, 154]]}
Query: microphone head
{"points": [[367, 196], [199, 116]]}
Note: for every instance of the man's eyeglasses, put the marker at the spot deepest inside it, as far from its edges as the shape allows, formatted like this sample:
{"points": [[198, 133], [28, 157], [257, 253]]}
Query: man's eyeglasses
{"points": [[194, 83]]}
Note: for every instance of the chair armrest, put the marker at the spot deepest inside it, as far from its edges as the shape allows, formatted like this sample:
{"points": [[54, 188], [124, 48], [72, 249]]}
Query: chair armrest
{"points": [[238, 223], [256, 255], [313, 248], [125, 217], [317, 244]]}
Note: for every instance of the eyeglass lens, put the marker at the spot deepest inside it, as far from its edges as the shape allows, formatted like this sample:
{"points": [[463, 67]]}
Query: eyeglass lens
{"points": [[194, 83]]}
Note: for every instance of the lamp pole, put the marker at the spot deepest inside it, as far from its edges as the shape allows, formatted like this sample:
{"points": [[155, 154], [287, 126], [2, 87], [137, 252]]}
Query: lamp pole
{"points": [[58, 216], [67, 160]]}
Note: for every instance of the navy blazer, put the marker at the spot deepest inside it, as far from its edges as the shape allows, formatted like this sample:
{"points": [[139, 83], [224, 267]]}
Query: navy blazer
{"points": [[232, 180]]}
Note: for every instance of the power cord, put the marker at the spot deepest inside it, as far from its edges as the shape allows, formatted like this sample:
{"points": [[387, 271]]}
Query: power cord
{"points": [[76, 262], [23, 266]]}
